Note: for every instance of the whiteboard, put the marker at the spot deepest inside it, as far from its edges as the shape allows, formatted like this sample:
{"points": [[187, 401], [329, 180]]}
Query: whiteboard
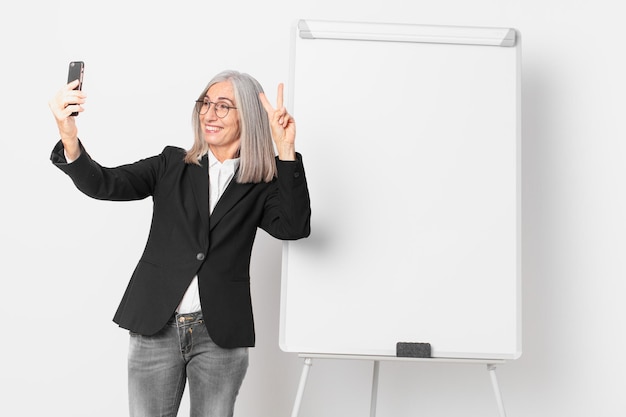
{"points": [[410, 137]]}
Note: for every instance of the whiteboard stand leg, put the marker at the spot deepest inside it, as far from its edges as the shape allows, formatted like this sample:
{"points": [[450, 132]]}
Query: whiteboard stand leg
{"points": [[496, 389], [305, 373], [374, 388]]}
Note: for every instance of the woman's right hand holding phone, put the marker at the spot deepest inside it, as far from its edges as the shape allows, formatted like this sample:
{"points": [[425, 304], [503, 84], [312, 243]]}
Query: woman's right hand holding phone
{"points": [[66, 101]]}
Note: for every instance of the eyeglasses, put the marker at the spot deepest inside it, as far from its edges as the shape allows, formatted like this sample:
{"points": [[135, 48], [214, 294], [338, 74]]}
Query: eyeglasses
{"points": [[221, 108]]}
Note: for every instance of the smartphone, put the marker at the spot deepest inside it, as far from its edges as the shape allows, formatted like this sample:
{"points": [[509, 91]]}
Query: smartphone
{"points": [[77, 68]]}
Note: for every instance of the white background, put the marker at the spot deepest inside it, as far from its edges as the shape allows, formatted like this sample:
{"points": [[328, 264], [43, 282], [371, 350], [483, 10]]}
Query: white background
{"points": [[66, 259]]}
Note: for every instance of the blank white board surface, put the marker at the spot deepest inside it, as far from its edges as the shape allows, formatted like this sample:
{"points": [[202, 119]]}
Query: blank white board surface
{"points": [[411, 139]]}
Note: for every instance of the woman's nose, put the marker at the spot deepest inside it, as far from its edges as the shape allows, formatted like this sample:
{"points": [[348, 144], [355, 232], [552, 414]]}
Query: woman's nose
{"points": [[211, 112]]}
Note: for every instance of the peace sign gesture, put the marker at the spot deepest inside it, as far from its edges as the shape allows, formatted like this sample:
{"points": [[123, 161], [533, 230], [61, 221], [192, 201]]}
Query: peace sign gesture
{"points": [[283, 126]]}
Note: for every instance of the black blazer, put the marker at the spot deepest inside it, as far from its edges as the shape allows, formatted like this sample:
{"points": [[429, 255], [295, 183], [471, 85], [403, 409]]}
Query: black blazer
{"points": [[184, 241]]}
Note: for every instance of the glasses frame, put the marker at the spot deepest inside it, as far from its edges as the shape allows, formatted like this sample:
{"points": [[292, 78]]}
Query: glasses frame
{"points": [[202, 103]]}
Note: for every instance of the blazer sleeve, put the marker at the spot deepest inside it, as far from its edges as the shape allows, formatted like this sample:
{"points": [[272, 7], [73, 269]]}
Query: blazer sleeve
{"points": [[126, 182], [287, 213]]}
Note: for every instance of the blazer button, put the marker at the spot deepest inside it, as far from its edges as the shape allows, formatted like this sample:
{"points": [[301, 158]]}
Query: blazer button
{"points": [[200, 256]]}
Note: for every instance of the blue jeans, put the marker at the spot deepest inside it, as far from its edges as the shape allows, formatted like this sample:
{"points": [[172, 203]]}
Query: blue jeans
{"points": [[160, 365]]}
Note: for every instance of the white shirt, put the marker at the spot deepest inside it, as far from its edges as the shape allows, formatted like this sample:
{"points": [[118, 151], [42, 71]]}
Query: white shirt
{"points": [[220, 175]]}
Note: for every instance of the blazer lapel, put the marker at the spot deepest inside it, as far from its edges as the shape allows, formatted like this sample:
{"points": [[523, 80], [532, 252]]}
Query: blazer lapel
{"points": [[233, 193], [199, 178]]}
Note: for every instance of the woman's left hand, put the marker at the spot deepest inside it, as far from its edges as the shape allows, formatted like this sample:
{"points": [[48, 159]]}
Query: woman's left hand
{"points": [[283, 126]]}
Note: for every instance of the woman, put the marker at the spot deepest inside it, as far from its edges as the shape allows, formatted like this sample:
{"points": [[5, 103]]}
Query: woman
{"points": [[187, 305]]}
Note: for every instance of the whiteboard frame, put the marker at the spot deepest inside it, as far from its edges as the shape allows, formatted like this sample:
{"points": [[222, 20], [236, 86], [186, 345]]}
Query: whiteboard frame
{"points": [[384, 32]]}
